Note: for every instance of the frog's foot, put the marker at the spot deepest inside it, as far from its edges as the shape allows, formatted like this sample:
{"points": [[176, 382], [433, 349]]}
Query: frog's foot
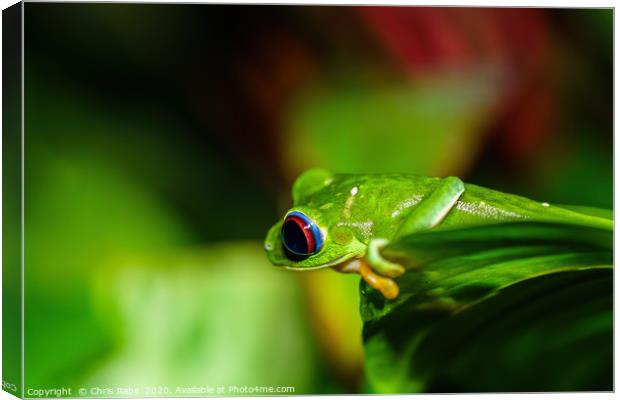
{"points": [[385, 285], [380, 264]]}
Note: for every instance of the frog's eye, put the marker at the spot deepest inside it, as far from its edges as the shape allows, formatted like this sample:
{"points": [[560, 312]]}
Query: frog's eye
{"points": [[300, 235]]}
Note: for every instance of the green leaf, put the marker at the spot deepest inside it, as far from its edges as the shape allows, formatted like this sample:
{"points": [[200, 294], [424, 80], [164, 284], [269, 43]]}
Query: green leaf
{"points": [[355, 125], [507, 307]]}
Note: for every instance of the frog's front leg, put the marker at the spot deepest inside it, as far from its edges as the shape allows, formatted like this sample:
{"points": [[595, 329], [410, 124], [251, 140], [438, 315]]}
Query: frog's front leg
{"points": [[426, 215], [380, 264], [433, 208]]}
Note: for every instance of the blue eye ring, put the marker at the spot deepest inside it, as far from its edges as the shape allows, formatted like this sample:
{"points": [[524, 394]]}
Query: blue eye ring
{"points": [[300, 235]]}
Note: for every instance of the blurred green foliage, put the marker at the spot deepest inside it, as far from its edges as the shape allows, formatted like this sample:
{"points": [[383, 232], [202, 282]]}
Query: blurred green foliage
{"points": [[101, 253], [203, 316], [355, 127]]}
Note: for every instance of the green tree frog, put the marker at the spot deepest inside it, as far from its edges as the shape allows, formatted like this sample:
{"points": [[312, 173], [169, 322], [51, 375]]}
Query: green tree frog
{"points": [[343, 221]]}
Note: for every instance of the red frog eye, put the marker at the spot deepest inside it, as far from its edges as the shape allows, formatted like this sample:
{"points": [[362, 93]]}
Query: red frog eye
{"points": [[300, 234]]}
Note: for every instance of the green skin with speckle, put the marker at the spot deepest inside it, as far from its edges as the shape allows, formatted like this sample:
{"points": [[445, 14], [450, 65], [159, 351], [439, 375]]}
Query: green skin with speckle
{"points": [[352, 210]]}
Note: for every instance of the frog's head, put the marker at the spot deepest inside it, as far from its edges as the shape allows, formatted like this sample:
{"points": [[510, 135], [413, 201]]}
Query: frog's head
{"points": [[308, 236]]}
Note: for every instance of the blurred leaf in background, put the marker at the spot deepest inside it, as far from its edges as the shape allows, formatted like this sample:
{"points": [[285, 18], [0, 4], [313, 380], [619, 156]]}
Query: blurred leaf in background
{"points": [[81, 210], [357, 128], [216, 316], [333, 306], [91, 206]]}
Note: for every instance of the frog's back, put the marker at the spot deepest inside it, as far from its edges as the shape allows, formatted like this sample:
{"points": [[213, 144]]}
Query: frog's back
{"points": [[376, 204], [482, 205], [388, 198], [372, 204]]}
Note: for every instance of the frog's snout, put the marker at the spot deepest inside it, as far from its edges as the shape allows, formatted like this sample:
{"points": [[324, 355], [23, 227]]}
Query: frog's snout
{"points": [[272, 238], [268, 246], [273, 247], [270, 250]]}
